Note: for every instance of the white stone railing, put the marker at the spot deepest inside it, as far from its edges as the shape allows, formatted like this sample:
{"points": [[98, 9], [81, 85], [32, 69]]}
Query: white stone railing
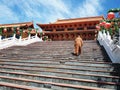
{"points": [[12, 41], [113, 50]]}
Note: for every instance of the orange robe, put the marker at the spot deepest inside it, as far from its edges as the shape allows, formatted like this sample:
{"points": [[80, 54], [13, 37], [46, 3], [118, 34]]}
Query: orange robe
{"points": [[78, 43]]}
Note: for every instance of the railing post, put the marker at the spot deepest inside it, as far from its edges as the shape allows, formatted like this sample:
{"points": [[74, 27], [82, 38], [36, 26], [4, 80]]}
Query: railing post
{"points": [[104, 34], [108, 35], [36, 35], [14, 37], [20, 39], [29, 37]]}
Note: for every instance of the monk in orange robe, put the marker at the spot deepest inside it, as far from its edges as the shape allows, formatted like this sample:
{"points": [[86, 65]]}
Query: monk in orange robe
{"points": [[78, 43]]}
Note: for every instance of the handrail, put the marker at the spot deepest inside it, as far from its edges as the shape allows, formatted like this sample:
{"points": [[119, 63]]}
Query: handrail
{"points": [[12, 41], [112, 49]]}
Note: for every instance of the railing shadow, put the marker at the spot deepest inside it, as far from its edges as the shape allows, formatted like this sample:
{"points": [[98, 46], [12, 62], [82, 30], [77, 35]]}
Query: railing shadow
{"points": [[116, 72]]}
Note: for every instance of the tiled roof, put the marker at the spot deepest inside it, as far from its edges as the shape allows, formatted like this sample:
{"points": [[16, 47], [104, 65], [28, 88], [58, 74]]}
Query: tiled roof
{"points": [[74, 20], [84, 19], [17, 24]]}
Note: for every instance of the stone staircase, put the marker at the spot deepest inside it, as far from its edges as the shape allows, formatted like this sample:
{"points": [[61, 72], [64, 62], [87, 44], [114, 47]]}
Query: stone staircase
{"points": [[51, 66]]}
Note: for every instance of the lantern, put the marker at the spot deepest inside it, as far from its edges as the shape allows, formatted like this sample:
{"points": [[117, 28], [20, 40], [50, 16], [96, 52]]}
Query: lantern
{"points": [[102, 23], [18, 32], [98, 27], [107, 25], [5, 30], [17, 28], [110, 15]]}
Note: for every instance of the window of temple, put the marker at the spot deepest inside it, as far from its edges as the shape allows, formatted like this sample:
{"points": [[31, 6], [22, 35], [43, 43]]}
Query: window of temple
{"points": [[85, 24], [80, 25], [90, 24], [84, 35], [56, 35], [58, 26], [46, 27], [43, 27], [80, 28], [60, 29], [95, 24], [78, 34], [48, 30], [61, 35], [67, 36], [75, 25], [91, 27], [52, 36], [72, 35], [89, 34], [69, 29], [50, 26], [70, 25], [54, 26], [65, 26], [61, 26]]}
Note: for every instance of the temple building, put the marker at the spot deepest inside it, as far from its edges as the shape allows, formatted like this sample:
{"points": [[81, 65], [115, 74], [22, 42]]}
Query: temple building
{"points": [[68, 29], [24, 28]]}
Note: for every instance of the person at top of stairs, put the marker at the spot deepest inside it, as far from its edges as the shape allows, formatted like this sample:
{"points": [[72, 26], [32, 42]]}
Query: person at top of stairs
{"points": [[78, 43]]}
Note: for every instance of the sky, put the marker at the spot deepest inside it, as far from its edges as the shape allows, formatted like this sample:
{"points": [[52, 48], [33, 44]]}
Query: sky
{"points": [[46, 11]]}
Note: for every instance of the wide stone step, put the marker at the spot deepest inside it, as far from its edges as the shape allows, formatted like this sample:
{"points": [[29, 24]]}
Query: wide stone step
{"points": [[51, 52], [50, 58], [52, 71], [57, 63], [12, 86], [62, 61], [53, 85], [44, 65], [46, 69], [60, 76]]}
